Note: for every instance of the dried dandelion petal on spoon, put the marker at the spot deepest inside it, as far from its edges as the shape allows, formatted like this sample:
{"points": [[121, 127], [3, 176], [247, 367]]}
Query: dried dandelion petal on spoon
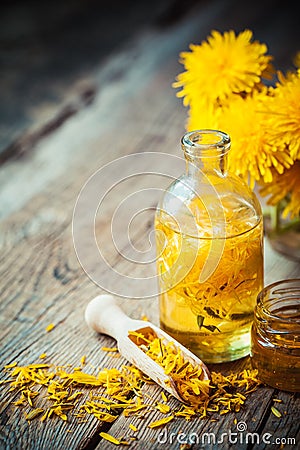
{"points": [[220, 394], [187, 377]]}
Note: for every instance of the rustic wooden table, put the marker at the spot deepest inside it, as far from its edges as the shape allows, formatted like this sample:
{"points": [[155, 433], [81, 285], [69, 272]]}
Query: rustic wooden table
{"points": [[127, 107]]}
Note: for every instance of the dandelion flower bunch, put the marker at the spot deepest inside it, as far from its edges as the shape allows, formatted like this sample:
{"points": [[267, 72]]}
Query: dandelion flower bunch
{"points": [[227, 85]]}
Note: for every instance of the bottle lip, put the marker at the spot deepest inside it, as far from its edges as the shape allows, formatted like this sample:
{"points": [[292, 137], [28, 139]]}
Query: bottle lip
{"points": [[206, 143], [276, 297]]}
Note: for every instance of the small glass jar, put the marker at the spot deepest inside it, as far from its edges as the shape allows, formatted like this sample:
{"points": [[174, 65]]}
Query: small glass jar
{"points": [[209, 252], [275, 336]]}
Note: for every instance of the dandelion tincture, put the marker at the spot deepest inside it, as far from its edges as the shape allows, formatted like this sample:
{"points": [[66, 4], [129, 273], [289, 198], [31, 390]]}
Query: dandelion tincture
{"points": [[209, 252]]}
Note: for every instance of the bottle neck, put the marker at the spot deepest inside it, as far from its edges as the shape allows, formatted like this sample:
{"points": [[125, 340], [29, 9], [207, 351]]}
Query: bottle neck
{"points": [[206, 152], [207, 165]]}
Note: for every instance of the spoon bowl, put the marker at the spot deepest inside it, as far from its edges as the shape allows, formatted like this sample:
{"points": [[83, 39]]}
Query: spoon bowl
{"points": [[103, 315]]}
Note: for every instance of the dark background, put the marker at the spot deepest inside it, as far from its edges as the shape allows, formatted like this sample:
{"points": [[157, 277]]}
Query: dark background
{"points": [[49, 49]]}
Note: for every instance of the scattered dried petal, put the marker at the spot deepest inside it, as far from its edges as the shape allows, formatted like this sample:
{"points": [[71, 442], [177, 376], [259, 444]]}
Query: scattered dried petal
{"points": [[163, 408], [159, 423], [34, 413], [163, 396], [133, 427], [119, 387], [275, 411], [110, 438], [109, 349], [9, 366]]}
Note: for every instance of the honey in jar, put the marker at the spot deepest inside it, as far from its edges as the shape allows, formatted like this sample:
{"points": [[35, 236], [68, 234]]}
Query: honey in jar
{"points": [[275, 336]]}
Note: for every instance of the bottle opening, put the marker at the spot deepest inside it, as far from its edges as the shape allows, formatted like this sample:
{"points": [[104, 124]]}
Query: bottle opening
{"points": [[209, 143]]}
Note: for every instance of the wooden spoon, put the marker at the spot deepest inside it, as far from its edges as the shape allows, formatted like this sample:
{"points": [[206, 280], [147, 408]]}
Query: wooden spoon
{"points": [[105, 316]]}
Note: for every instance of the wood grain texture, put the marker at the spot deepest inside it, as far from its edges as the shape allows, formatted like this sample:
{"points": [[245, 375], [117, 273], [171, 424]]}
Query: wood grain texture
{"points": [[134, 110], [49, 52]]}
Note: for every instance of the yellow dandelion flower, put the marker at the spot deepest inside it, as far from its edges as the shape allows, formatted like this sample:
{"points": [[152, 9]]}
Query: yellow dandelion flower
{"points": [[223, 65], [284, 119], [296, 60], [201, 117], [253, 156], [286, 184]]}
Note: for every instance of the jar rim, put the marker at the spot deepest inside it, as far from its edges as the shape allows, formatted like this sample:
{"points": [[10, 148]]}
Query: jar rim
{"points": [[206, 142], [271, 295]]}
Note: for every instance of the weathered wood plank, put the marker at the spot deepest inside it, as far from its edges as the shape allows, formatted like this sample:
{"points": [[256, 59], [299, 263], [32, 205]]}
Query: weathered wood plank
{"points": [[60, 345], [254, 424], [47, 54], [281, 432], [42, 85], [41, 279]]}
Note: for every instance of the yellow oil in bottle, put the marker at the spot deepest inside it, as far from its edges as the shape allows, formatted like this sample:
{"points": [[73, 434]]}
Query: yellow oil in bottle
{"points": [[212, 318]]}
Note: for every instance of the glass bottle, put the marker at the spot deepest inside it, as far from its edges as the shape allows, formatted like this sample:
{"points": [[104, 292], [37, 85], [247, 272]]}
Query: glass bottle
{"points": [[209, 241], [275, 335]]}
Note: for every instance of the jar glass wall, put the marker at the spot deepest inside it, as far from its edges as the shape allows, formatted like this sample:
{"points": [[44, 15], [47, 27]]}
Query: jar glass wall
{"points": [[275, 336]]}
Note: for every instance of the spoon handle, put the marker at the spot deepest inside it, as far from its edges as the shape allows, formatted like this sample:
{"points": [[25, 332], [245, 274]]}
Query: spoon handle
{"points": [[103, 315]]}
